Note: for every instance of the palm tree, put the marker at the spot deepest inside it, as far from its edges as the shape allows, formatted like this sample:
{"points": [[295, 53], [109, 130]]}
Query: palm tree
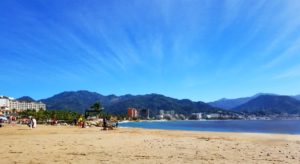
{"points": [[97, 106]]}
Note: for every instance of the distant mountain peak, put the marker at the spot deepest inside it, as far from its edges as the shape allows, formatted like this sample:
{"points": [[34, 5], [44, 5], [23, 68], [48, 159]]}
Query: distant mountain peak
{"points": [[26, 98], [223, 99], [271, 104], [233, 103]]}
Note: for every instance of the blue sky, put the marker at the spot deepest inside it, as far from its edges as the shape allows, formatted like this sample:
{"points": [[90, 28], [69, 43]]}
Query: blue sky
{"points": [[198, 49]]}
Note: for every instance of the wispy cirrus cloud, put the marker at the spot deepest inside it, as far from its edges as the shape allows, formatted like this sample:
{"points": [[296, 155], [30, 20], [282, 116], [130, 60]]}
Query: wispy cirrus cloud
{"points": [[288, 54], [293, 72], [189, 44], [283, 44]]}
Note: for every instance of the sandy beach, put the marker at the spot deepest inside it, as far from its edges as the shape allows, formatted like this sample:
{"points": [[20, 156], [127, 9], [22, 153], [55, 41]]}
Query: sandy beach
{"points": [[67, 144]]}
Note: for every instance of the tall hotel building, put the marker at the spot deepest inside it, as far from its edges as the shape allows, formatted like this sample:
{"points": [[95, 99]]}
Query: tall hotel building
{"points": [[132, 113], [9, 105]]}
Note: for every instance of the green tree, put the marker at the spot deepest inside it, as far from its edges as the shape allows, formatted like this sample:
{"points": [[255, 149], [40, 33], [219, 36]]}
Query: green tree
{"points": [[44, 115], [97, 106]]}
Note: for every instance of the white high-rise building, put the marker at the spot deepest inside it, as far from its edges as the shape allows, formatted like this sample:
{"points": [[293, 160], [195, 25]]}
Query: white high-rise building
{"points": [[9, 105], [4, 103]]}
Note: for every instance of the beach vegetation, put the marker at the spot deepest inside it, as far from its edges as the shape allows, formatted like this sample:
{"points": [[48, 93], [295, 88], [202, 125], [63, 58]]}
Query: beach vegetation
{"points": [[43, 116], [97, 106]]}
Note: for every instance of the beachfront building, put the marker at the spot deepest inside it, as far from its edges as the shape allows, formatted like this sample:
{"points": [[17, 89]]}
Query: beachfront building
{"points": [[169, 115], [197, 116], [161, 112], [213, 116], [10, 105], [179, 117], [132, 113], [160, 116], [4, 103], [170, 112], [144, 114]]}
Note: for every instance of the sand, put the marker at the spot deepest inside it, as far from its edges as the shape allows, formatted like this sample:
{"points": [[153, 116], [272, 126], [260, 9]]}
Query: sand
{"points": [[67, 144]]}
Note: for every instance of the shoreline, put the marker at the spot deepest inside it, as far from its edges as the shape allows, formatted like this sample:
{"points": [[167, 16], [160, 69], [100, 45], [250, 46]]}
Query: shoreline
{"points": [[200, 131], [241, 126], [126, 121]]}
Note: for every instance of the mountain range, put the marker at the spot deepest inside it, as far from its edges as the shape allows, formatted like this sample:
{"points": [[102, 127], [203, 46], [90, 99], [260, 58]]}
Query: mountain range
{"points": [[79, 101], [270, 104], [231, 104], [156, 102]]}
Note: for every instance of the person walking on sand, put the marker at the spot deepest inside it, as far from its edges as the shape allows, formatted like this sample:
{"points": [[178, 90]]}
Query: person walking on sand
{"points": [[34, 123]]}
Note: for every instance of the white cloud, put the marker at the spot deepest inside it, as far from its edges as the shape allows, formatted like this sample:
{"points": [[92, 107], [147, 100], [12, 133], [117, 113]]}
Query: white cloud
{"points": [[287, 23], [289, 53]]}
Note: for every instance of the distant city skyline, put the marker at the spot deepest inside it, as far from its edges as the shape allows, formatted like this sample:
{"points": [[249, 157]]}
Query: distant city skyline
{"points": [[200, 50]]}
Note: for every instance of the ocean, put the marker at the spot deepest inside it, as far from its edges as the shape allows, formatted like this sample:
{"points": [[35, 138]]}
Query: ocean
{"points": [[247, 126]]}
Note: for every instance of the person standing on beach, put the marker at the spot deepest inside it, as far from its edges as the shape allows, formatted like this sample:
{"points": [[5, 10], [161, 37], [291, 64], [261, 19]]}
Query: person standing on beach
{"points": [[75, 121], [34, 123], [30, 124], [104, 123], [80, 121], [10, 120]]}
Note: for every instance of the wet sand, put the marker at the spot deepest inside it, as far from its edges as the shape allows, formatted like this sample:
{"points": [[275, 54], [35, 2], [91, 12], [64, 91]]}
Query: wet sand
{"points": [[67, 144]]}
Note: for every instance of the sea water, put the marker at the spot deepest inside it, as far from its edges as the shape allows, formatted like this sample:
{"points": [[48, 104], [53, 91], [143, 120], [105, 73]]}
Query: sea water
{"points": [[248, 126]]}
